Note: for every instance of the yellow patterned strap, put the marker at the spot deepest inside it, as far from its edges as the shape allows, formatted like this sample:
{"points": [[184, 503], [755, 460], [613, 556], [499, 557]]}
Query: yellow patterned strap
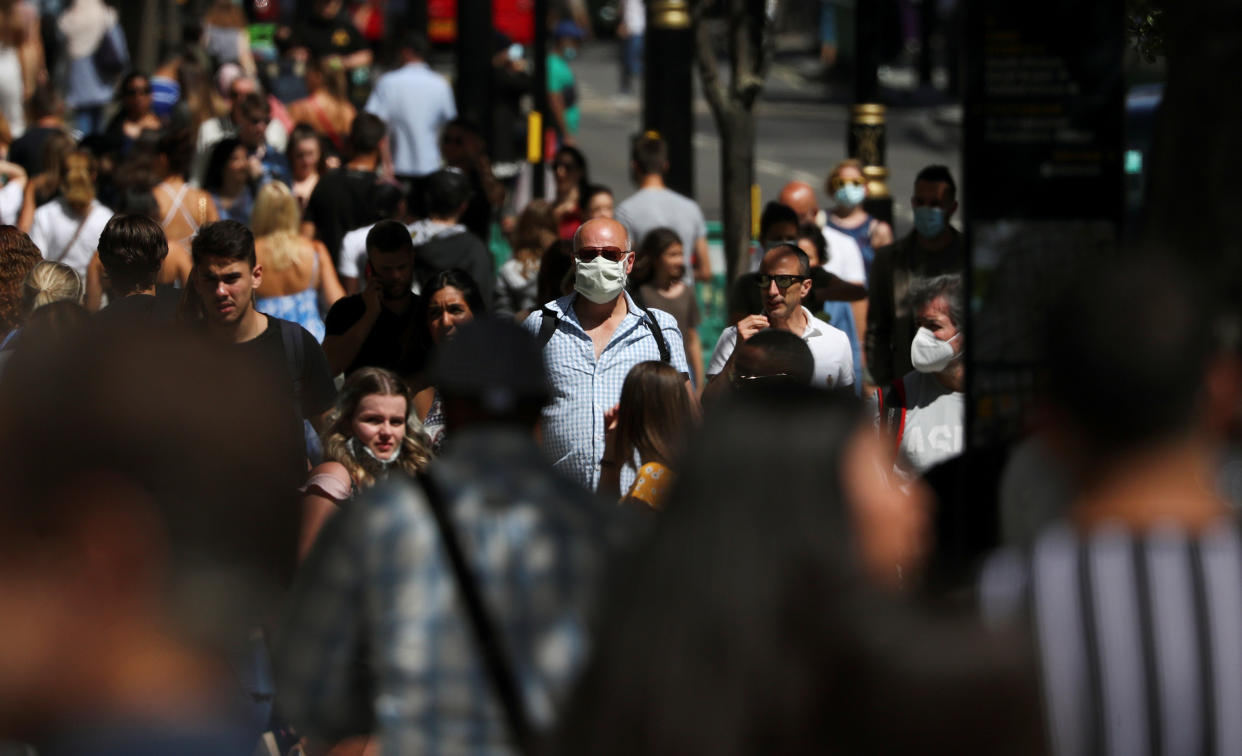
{"points": [[651, 485]]}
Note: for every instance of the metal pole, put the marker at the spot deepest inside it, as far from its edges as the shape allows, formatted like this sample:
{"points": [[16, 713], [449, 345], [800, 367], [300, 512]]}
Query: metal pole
{"points": [[668, 87], [474, 61], [536, 140]]}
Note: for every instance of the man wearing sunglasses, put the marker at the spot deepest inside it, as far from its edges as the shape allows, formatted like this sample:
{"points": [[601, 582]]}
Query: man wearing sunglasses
{"points": [[591, 339], [784, 281]]}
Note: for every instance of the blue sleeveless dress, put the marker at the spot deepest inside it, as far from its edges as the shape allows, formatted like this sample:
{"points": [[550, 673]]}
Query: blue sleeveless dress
{"points": [[301, 308], [862, 235]]}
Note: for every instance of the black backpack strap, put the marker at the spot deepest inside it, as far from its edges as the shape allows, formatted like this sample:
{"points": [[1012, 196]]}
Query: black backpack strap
{"points": [[295, 355], [547, 326], [484, 629], [665, 355]]}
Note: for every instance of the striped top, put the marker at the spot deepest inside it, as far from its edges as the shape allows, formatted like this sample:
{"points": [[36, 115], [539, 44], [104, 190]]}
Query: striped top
{"points": [[1139, 637]]}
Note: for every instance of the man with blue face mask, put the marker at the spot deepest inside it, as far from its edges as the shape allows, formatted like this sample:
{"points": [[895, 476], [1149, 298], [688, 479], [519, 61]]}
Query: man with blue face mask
{"points": [[932, 249], [925, 409], [591, 338]]}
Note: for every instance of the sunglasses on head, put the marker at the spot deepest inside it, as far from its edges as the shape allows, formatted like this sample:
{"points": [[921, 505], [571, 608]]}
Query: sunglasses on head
{"points": [[782, 281], [615, 254]]}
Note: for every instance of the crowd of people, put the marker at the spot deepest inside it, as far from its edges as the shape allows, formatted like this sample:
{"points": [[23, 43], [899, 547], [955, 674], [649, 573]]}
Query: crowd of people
{"points": [[321, 435]]}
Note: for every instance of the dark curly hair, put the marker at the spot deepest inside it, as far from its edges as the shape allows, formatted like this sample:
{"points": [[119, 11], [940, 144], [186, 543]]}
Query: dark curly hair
{"points": [[18, 255]]}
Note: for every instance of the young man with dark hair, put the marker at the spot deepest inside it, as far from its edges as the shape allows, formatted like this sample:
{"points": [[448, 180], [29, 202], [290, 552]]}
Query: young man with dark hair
{"points": [[344, 198], [225, 277], [655, 205], [132, 249], [446, 243], [378, 327]]}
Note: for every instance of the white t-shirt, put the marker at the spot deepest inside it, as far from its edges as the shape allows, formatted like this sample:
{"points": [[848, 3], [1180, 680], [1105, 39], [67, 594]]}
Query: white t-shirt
{"points": [[845, 259], [933, 429], [834, 359], [54, 228], [634, 14], [353, 258], [11, 197]]}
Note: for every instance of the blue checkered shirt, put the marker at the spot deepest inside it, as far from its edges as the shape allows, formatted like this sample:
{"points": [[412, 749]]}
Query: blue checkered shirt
{"points": [[586, 387], [377, 599]]}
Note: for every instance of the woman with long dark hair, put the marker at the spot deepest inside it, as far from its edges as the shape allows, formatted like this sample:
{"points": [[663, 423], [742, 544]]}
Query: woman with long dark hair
{"points": [[449, 300], [650, 421]]}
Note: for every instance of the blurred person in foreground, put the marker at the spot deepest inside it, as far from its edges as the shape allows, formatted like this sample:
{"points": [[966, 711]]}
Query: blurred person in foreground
{"points": [[753, 623], [526, 532], [924, 413], [136, 565], [771, 357], [1133, 595]]}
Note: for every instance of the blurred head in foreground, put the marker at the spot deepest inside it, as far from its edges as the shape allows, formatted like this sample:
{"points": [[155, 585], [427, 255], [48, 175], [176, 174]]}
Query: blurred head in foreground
{"points": [[747, 624], [147, 522]]}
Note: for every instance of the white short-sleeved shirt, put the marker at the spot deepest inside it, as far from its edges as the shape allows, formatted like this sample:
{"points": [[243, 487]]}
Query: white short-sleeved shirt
{"points": [[830, 347], [54, 229], [415, 102], [353, 256]]}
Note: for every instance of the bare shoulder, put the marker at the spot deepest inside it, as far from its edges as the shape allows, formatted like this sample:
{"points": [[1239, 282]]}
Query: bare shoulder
{"points": [[332, 469]]}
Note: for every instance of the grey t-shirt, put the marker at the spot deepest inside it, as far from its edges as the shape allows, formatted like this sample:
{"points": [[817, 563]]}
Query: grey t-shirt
{"points": [[649, 209]]}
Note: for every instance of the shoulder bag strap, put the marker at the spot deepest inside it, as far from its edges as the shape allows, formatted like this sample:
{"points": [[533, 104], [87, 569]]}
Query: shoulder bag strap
{"points": [[665, 356], [547, 326], [497, 662], [77, 232]]}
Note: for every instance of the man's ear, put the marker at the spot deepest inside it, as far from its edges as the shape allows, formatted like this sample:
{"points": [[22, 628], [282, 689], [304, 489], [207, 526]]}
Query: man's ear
{"points": [[629, 262], [806, 287], [256, 273]]}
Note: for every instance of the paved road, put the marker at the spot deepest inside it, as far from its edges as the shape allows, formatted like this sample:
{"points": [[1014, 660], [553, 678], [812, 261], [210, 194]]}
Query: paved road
{"points": [[801, 135]]}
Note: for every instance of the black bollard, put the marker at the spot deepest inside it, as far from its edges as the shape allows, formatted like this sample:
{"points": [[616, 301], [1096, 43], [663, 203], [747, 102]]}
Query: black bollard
{"points": [[668, 91]]}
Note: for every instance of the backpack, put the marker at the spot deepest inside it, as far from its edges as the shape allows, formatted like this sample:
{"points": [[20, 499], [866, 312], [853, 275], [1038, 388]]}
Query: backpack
{"points": [[109, 59], [893, 411], [295, 362], [550, 318]]}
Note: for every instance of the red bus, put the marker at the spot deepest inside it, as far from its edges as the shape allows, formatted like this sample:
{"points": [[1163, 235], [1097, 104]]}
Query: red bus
{"points": [[514, 18]]}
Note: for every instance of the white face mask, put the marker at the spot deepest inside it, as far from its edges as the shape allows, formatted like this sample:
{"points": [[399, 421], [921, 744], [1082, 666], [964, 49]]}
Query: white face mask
{"points": [[929, 354], [601, 280], [359, 448]]}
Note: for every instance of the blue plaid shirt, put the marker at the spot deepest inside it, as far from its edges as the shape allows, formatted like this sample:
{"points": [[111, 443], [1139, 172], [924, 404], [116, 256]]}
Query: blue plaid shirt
{"points": [[378, 579], [586, 387]]}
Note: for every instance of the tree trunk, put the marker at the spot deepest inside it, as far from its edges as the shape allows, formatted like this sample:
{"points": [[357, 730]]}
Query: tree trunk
{"points": [[737, 175]]}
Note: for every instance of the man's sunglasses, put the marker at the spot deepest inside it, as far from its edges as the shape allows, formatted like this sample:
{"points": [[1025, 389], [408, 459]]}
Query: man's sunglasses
{"points": [[782, 282], [587, 254]]}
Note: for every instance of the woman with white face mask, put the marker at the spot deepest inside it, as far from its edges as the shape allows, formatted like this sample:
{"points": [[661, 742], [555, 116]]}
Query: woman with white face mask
{"points": [[848, 188], [372, 432]]}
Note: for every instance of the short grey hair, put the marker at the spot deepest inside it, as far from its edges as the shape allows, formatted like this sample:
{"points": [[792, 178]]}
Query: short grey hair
{"points": [[923, 291]]}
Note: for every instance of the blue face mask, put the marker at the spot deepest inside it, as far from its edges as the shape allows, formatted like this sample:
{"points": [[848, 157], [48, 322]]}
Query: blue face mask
{"points": [[569, 53], [928, 221], [850, 195]]}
